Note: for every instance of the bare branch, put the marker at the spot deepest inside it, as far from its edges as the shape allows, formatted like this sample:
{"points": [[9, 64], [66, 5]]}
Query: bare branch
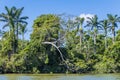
{"points": [[56, 48]]}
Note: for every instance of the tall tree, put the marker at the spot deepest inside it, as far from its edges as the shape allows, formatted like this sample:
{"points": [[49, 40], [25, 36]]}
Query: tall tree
{"points": [[19, 20], [80, 22], [44, 38], [94, 24], [23, 30], [105, 26], [8, 18], [12, 18], [113, 20]]}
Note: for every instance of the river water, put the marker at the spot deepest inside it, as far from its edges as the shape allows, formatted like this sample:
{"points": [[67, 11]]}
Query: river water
{"points": [[60, 77]]}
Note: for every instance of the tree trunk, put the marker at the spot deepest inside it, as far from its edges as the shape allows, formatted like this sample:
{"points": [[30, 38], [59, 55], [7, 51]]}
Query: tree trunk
{"points": [[67, 63], [16, 38], [80, 41], [105, 39], [88, 50], [105, 42], [22, 40], [81, 36], [113, 32], [61, 55], [94, 42], [14, 44], [114, 36], [13, 41]]}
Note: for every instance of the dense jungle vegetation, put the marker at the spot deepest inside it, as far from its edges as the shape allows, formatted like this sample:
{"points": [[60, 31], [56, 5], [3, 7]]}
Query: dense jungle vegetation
{"points": [[59, 44]]}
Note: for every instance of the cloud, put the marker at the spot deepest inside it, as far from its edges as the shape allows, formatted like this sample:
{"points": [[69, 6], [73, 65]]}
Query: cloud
{"points": [[86, 15], [0, 38]]}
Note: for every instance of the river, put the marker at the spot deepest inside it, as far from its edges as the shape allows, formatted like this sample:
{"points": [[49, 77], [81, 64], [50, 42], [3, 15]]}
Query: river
{"points": [[60, 77]]}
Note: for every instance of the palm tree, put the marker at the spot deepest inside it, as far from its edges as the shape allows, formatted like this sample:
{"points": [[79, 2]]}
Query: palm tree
{"points": [[113, 20], [12, 18], [23, 30], [80, 22], [105, 26], [94, 24], [8, 18], [19, 20]]}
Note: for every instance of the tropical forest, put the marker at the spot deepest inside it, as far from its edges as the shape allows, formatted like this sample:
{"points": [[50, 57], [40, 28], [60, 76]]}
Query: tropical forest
{"points": [[59, 43]]}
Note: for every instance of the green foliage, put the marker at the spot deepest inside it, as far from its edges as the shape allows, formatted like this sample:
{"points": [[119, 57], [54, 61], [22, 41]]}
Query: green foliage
{"points": [[73, 49]]}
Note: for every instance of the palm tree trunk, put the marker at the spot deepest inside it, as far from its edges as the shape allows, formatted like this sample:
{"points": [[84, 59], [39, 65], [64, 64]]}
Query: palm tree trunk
{"points": [[22, 40], [17, 38], [105, 42], [94, 37], [80, 41], [94, 42], [81, 35], [113, 32], [13, 43], [114, 35], [88, 50], [105, 39]]}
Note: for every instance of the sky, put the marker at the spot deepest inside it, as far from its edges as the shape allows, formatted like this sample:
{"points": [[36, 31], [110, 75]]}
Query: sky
{"points": [[34, 8]]}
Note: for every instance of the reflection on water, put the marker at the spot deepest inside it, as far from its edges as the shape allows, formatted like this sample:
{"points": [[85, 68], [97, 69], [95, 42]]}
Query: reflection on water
{"points": [[59, 77]]}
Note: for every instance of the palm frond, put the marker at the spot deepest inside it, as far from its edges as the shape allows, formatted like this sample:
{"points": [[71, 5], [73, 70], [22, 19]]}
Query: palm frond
{"points": [[3, 20], [6, 25], [25, 17], [4, 16], [21, 21], [19, 12], [7, 9]]}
